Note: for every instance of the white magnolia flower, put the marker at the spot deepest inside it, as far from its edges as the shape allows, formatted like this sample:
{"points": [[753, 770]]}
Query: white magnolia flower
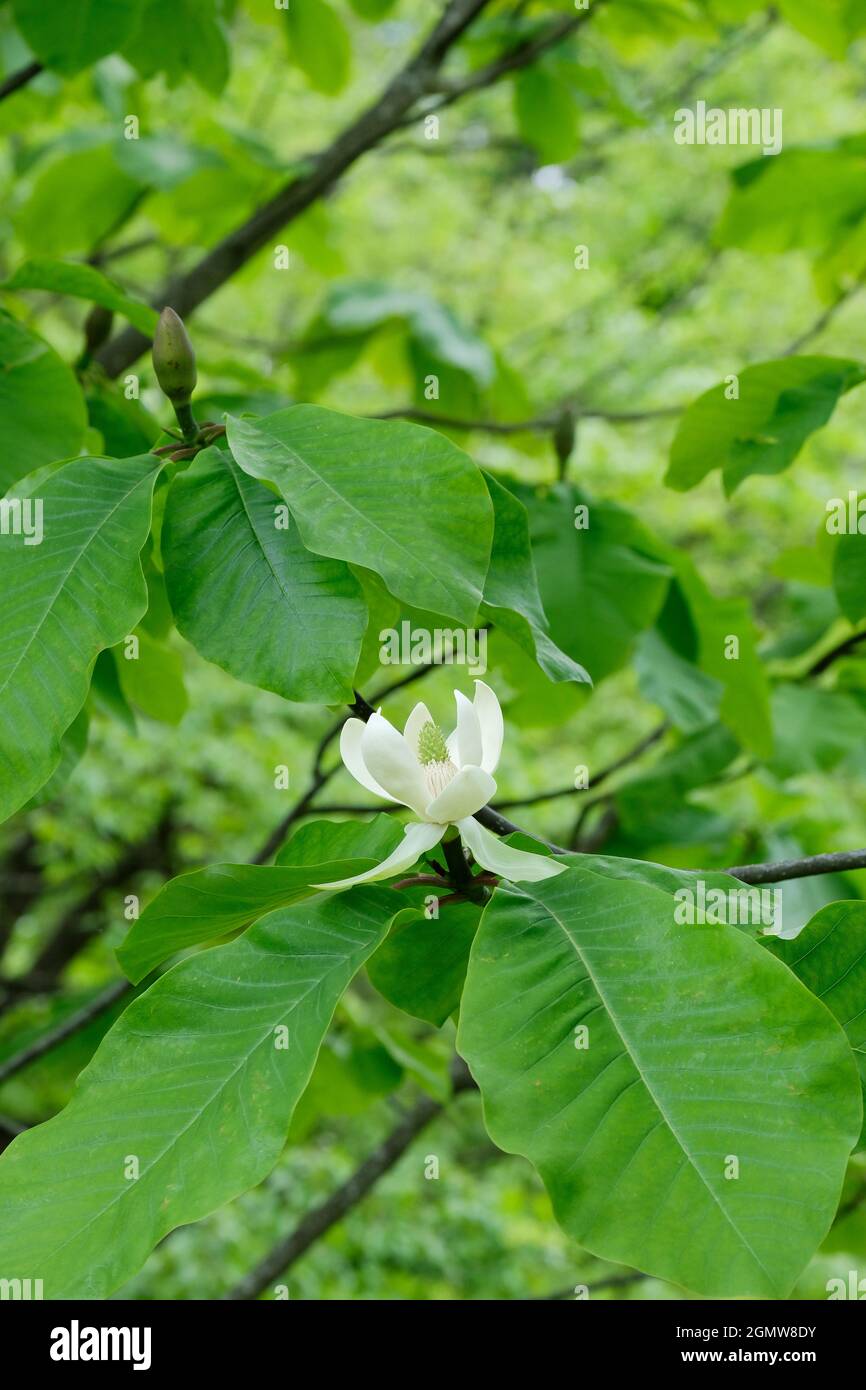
{"points": [[444, 781]]}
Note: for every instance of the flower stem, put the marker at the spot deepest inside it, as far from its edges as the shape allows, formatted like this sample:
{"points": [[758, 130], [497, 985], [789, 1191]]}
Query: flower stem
{"points": [[187, 422]]}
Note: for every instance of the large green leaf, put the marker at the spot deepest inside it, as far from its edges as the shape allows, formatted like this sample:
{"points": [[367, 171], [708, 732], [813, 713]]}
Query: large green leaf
{"points": [[208, 903], [72, 35], [197, 1082], [829, 956], [698, 1054], [249, 596], [82, 282], [79, 591], [42, 412], [511, 598], [398, 499], [764, 428]]}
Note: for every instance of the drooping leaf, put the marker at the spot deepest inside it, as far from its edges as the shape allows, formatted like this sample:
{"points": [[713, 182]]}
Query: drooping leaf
{"points": [[82, 282], [695, 1055], [546, 112], [849, 572], [209, 903], [327, 841], [829, 956], [437, 341], [761, 430], [320, 44], [398, 499], [79, 591], [598, 586], [806, 198], [71, 36], [511, 598], [698, 759], [727, 650], [249, 596], [152, 678], [195, 1084], [421, 964], [689, 697], [96, 195], [42, 412], [181, 38], [813, 729]]}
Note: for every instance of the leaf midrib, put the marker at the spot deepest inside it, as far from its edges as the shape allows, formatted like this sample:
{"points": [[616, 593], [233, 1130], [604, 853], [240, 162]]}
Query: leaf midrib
{"points": [[411, 556], [632, 1053]]}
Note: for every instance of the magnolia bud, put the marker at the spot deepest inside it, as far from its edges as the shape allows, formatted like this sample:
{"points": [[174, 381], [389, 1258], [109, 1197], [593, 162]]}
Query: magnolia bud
{"points": [[97, 327], [564, 435], [174, 358]]}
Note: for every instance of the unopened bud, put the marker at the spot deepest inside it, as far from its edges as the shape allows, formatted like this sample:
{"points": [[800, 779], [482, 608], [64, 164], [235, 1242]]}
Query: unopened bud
{"points": [[174, 358], [564, 435], [97, 327]]}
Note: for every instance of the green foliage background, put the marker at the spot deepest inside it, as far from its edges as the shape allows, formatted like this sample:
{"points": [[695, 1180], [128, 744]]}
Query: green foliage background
{"points": [[459, 251]]}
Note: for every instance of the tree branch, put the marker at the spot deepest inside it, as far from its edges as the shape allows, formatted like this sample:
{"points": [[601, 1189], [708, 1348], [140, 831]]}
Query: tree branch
{"points": [[320, 1220], [73, 1024], [396, 107], [19, 79], [837, 862], [187, 292]]}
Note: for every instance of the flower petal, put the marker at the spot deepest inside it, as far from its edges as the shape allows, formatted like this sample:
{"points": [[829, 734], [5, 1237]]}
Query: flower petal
{"points": [[393, 763], [416, 839], [465, 794], [492, 725], [414, 724], [513, 864], [469, 746], [350, 751]]}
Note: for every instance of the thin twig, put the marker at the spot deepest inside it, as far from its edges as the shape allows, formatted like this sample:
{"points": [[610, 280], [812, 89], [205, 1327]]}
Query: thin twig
{"points": [[73, 1024], [322, 1218], [837, 862], [19, 79], [401, 102]]}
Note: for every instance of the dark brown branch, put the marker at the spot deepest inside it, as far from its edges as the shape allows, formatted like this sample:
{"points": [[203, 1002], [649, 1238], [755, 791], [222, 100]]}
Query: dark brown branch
{"points": [[399, 103], [841, 649], [837, 862], [414, 81], [73, 1024], [80, 923], [322, 1218], [16, 80], [537, 424], [518, 57]]}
